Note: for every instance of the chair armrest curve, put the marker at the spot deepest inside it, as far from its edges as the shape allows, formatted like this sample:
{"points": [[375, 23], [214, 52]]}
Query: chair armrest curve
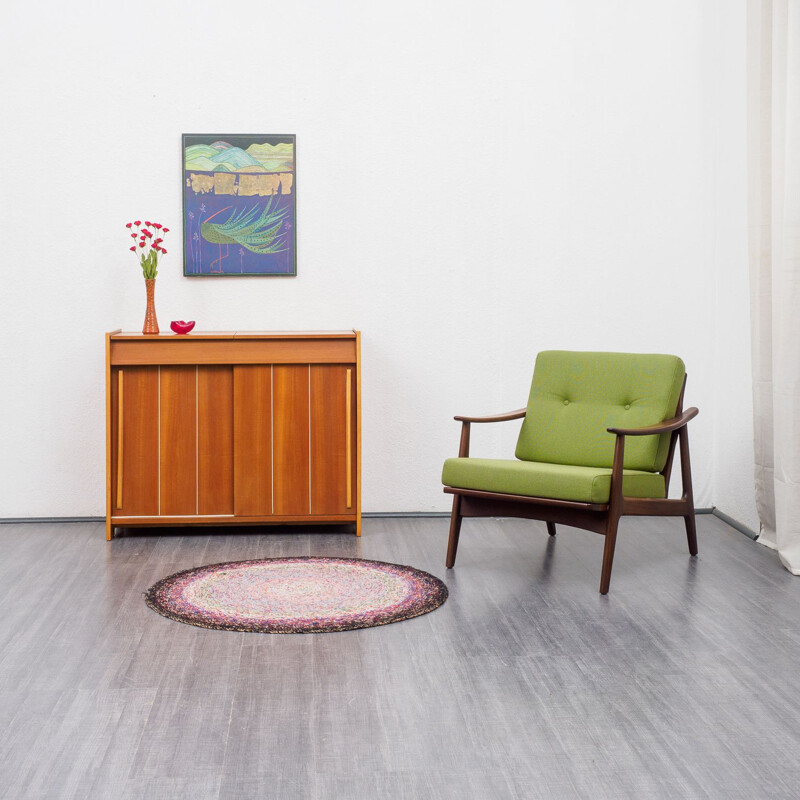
{"points": [[518, 414], [666, 426]]}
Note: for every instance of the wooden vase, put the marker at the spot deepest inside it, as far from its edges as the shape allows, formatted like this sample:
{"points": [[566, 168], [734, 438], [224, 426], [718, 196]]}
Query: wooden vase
{"points": [[150, 321]]}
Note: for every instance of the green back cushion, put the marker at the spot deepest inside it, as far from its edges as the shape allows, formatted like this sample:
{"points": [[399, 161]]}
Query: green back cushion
{"points": [[576, 396]]}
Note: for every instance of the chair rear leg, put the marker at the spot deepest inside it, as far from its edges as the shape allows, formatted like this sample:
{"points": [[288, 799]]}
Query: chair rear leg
{"points": [[691, 533], [608, 554], [455, 530], [551, 528]]}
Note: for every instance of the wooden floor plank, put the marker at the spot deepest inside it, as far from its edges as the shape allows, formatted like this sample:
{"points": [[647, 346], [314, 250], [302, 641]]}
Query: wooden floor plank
{"points": [[526, 683]]}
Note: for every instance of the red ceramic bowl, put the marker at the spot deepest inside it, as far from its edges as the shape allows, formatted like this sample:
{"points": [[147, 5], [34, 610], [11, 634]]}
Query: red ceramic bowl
{"points": [[179, 326]]}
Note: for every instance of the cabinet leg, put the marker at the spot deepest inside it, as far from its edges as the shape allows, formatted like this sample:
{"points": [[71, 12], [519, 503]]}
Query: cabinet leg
{"points": [[109, 530], [358, 525]]}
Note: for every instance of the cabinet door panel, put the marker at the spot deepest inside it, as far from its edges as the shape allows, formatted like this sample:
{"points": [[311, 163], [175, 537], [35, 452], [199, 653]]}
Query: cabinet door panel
{"points": [[178, 417], [252, 440], [290, 441], [134, 454], [330, 444], [215, 439]]}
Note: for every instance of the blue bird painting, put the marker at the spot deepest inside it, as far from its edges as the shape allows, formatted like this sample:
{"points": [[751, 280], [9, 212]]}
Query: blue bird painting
{"points": [[259, 233], [239, 204]]}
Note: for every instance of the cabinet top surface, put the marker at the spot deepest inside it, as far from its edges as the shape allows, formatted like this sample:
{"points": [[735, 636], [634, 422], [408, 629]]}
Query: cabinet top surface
{"points": [[132, 335]]}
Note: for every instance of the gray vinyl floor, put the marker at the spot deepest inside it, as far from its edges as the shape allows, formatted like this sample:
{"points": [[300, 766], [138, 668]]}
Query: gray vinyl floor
{"points": [[684, 682]]}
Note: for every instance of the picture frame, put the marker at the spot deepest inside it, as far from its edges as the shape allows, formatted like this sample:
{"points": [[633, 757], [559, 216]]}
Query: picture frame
{"points": [[239, 205]]}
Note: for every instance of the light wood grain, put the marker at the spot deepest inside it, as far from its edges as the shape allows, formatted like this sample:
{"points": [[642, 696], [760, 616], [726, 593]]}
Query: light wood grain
{"points": [[358, 433], [134, 336], [222, 519], [238, 351], [349, 434], [120, 437], [294, 335], [290, 448], [109, 446]]}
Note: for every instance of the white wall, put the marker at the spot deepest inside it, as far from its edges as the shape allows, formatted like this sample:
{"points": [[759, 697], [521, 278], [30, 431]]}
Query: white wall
{"points": [[475, 184], [733, 419]]}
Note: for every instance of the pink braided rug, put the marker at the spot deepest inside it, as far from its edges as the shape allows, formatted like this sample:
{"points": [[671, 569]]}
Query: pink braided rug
{"points": [[296, 595]]}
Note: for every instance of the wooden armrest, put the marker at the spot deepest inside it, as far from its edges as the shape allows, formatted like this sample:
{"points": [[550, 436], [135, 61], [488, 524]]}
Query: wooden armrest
{"points": [[518, 414], [663, 427]]}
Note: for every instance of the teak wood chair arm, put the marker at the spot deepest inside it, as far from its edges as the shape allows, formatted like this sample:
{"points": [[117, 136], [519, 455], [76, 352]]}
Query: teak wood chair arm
{"points": [[463, 449], [518, 414], [666, 426]]}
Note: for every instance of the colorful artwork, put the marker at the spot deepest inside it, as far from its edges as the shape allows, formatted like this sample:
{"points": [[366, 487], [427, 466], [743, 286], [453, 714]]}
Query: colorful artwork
{"points": [[239, 205]]}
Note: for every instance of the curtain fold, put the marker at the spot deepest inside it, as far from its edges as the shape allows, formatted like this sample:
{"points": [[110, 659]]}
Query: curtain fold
{"points": [[774, 255]]}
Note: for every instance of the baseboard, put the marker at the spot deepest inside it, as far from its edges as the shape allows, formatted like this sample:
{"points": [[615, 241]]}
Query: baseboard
{"points": [[424, 514], [735, 524], [365, 515], [381, 515], [402, 514]]}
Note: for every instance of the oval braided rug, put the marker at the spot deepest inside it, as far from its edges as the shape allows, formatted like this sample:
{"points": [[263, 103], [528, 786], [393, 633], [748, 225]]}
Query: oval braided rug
{"points": [[296, 595]]}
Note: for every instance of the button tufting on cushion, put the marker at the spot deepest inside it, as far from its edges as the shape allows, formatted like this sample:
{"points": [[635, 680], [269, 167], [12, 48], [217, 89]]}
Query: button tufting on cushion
{"points": [[599, 385]]}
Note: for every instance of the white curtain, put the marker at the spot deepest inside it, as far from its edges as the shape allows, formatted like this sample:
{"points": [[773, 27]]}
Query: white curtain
{"points": [[774, 244]]}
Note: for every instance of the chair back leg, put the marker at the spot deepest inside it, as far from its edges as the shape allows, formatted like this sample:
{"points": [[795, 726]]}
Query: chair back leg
{"points": [[455, 530], [551, 528]]}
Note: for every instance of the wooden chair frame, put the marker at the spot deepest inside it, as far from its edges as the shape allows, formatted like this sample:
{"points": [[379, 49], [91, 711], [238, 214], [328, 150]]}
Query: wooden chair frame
{"points": [[602, 518]]}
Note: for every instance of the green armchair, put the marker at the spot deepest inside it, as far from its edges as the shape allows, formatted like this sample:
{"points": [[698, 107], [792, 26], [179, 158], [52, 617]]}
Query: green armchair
{"points": [[597, 442]]}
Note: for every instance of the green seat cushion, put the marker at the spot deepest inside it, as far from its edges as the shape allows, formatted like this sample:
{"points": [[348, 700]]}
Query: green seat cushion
{"points": [[575, 396], [554, 481]]}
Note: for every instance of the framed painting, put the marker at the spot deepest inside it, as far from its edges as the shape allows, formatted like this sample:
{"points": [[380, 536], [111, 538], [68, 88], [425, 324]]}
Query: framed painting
{"points": [[239, 209]]}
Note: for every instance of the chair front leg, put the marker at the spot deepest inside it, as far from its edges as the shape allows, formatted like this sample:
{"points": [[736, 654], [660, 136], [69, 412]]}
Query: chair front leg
{"points": [[455, 530], [614, 513], [455, 515], [688, 494]]}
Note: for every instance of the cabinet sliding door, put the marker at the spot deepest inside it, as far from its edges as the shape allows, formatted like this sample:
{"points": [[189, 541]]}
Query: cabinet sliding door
{"points": [[252, 440], [134, 441], [215, 440], [178, 441], [333, 431], [196, 441], [290, 441]]}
